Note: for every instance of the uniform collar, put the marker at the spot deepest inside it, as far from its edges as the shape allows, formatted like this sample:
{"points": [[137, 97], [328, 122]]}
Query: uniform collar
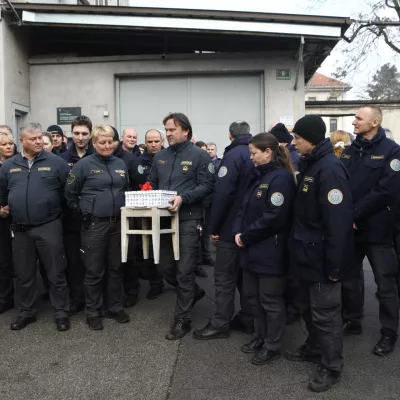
{"points": [[180, 146]]}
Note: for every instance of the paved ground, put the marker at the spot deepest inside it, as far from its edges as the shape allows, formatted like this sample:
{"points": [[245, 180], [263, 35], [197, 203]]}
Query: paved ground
{"points": [[134, 361]]}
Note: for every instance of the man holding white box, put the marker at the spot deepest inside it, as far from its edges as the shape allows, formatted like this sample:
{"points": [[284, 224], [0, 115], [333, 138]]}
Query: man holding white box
{"points": [[189, 171]]}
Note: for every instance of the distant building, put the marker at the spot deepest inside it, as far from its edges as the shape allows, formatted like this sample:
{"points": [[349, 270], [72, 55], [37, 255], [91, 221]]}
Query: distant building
{"points": [[322, 88]]}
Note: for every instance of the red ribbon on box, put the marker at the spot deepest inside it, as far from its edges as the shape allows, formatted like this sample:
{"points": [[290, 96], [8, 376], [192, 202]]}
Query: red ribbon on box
{"points": [[146, 186]]}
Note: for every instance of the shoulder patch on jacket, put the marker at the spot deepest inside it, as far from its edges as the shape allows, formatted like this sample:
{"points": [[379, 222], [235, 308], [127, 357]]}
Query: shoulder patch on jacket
{"points": [[395, 164], [211, 168], [335, 196], [70, 179], [222, 172], [277, 199]]}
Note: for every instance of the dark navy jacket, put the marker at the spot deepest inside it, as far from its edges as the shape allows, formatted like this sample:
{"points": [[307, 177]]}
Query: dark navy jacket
{"points": [[322, 239], [374, 169], [97, 185], [141, 169], [188, 170], [264, 220], [72, 219], [35, 196], [233, 178], [294, 156], [130, 161], [71, 155]]}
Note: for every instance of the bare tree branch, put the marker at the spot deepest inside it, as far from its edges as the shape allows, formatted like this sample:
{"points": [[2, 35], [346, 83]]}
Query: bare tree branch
{"points": [[389, 42]]}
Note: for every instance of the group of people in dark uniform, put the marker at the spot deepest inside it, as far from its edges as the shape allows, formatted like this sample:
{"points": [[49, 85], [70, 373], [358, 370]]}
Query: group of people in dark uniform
{"points": [[291, 222]]}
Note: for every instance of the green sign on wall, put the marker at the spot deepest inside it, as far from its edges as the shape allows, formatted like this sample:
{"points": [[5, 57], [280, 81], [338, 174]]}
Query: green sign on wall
{"points": [[283, 74]]}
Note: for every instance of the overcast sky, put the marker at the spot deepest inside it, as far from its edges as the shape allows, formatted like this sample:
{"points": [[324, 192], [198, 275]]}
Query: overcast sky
{"points": [[343, 8]]}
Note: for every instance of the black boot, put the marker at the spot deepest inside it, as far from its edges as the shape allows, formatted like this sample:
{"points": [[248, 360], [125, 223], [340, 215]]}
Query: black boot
{"points": [[385, 345], [237, 325], [179, 329], [353, 328], [323, 379], [210, 332], [265, 356], [304, 353], [154, 292], [254, 345]]}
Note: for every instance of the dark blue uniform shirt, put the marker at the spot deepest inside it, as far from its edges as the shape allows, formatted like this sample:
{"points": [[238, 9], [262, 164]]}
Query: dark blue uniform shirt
{"points": [[374, 169], [264, 220], [321, 242], [233, 178]]}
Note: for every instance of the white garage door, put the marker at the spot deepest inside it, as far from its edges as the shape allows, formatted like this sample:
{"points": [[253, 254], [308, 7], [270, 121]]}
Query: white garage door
{"points": [[211, 102]]}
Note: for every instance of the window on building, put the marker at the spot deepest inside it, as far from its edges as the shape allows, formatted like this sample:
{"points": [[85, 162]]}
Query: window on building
{"points": [[332, 98], [333, 124], [312, 99]]}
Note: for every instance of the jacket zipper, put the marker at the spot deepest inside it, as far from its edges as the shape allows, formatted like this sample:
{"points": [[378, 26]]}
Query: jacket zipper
{"points": [[111, 186], [172, 170], [26, 198]]}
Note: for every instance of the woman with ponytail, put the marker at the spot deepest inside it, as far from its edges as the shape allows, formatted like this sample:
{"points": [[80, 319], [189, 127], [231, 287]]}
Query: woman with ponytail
{"points": [[340, 140], [261, 230]]}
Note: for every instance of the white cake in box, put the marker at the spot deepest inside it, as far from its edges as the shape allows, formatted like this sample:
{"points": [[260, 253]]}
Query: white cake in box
{"points": [[149, 198]]}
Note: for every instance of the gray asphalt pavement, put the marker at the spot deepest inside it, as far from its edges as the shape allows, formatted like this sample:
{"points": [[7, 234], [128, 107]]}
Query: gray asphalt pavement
{"points": [[134, 361]]}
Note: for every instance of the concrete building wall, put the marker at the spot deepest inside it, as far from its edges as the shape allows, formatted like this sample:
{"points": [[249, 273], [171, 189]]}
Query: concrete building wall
{"points": [[91, 83], [14, 74]]}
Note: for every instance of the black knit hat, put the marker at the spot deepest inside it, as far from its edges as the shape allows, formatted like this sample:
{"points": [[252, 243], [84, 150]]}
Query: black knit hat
{"points": [[311, 128], [116, 134], [55, 129], [281, 133]]}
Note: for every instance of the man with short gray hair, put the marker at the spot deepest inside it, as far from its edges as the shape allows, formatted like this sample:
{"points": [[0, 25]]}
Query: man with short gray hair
{"points": [[32, 186]]}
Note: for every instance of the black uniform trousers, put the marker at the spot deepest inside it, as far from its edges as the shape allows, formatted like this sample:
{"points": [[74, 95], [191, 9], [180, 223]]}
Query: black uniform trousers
{"points": [[47, 242], [6, 264], [384, 266], [397, 250], [266, 297], [101, 256], [75, 271], [321, 306], [180, 274], [227, 277]]}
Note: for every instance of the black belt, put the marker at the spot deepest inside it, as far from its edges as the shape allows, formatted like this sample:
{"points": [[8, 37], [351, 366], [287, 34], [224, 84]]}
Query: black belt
{"points": [[22, 228], [105, 219]]}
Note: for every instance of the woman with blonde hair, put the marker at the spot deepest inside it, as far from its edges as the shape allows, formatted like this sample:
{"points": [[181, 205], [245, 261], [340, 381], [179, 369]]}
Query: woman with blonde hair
{"points": [[340, 140]]}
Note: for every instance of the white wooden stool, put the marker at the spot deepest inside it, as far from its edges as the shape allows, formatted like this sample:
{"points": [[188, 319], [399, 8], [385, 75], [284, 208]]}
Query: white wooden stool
{"points": [[155, 214]]}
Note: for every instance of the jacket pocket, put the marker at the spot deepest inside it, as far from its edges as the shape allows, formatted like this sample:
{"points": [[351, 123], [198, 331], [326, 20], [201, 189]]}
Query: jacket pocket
{"points": [[308, 252]]}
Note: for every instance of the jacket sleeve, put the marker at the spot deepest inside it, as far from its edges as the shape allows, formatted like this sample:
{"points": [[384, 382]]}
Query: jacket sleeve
{"points": [[276, 216], [63, 172], [74, 186], [205, 181], [385, 193], [153, 177], [238, 221], [337, 219], [3, 186], [224, 193]]}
